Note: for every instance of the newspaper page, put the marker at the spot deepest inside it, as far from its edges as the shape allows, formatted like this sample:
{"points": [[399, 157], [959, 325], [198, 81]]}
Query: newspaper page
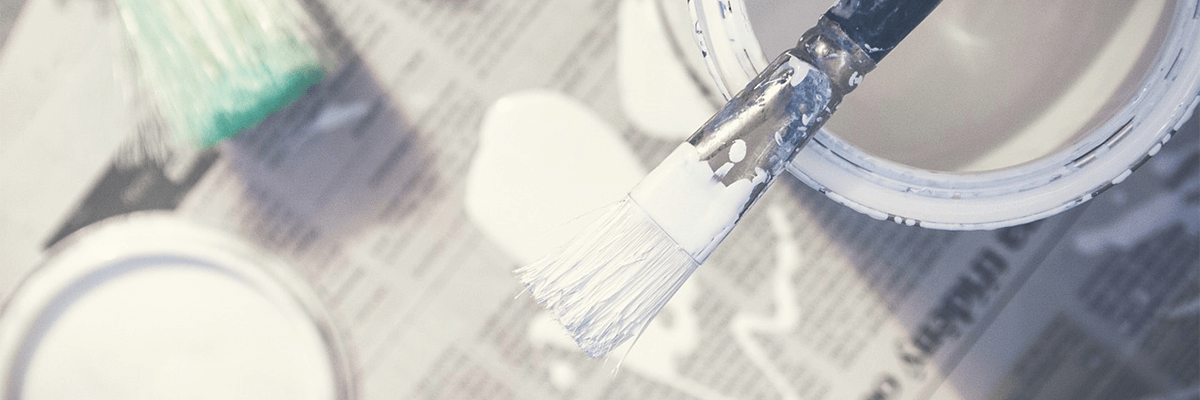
{"points": [[360, 187]]}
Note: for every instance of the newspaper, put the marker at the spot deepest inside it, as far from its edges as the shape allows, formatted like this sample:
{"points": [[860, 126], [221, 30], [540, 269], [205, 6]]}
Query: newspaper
{"points": [[360, 186]]}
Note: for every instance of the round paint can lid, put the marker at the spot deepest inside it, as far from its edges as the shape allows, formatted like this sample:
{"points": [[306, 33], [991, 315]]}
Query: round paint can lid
{"points": [[150, 306]]}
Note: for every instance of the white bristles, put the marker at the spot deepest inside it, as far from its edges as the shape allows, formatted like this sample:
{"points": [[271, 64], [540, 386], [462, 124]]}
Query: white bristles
{"points": [[606, 285]]}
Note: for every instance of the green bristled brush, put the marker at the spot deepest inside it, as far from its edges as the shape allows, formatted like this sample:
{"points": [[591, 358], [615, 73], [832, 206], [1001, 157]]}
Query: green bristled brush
{"points": [[219, 67]]}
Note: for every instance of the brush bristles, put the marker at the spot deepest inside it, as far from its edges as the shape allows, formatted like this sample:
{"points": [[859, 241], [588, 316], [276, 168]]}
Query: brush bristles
{"points": [[606, 285], [218, 67]]}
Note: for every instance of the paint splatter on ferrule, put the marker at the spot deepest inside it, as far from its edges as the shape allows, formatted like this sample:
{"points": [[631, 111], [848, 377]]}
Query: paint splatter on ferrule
{"points": [[700, 191], [766, 123], [827, 48]]}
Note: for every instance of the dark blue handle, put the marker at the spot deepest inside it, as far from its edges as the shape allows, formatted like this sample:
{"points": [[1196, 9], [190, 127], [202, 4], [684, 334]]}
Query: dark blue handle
{"points": [[879, 25]]}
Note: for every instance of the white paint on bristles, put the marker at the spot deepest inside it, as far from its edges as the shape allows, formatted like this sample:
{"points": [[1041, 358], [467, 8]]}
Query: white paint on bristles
{"points": [[531, 134], [607, 284], [518, 144], [667, 342]]}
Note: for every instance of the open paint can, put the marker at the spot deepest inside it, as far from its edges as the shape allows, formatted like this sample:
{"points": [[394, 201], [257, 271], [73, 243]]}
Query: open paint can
{"points": [[989, 114], [150, 306]]}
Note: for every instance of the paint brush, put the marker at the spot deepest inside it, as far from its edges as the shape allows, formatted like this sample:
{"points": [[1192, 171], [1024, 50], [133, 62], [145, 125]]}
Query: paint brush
{"points": [[218, 67], [608, 283]]}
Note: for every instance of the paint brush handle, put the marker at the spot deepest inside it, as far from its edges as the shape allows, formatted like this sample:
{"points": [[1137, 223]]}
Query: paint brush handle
{"points": [[606, 285], [776, 113], [700, 191], [879, 25], [760, 130]]}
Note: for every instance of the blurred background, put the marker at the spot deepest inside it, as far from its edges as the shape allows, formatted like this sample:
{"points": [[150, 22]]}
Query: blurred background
{"points": [[457, 140]]}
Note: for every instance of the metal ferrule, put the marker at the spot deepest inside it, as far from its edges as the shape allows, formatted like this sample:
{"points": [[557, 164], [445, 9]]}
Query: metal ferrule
{"points": [[781, 108], [830, 50]]}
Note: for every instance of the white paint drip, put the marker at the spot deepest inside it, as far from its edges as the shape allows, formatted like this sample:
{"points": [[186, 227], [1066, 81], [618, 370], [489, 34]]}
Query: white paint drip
{"points": [[799, 67], [696, 210], [748, 327], [330, 119], [658, 351], [608, 284], [543, 160], [723, 170], [737, 150], [542, 131], [577, 160], [337, 115], [544, 167], [744, 326]]}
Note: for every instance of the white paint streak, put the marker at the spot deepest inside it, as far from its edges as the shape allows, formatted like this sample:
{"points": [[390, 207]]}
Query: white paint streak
{"points": [[855, 79], [336, 116], [526, 134], [799, 70], [667, 341], [520, 139], [544, 167], [745, 326]]}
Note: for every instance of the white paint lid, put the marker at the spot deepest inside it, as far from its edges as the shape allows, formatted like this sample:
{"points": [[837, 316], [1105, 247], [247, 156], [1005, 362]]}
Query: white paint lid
{"points": [[151, 306]]}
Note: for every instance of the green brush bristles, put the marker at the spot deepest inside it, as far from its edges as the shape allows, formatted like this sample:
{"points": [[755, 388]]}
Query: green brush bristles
{"points": [[218, 67]]}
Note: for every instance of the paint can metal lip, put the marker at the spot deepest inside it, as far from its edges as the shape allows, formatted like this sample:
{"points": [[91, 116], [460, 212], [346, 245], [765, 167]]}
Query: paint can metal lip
{"points": [[882, 189], [159, 240]]}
